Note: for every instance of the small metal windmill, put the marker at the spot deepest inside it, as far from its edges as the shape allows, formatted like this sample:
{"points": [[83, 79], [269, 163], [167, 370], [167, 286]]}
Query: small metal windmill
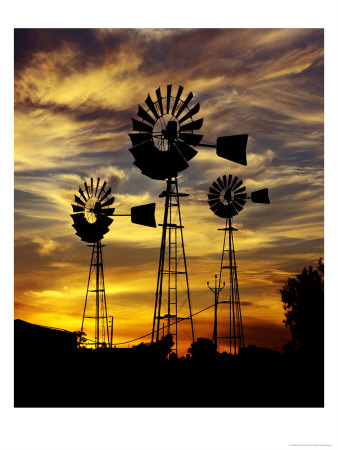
{"points": [[227, 197], [92, 217]]}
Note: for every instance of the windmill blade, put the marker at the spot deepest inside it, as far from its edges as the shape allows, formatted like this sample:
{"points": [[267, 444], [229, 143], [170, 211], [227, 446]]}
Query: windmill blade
{"points": [[159, 99], [261, 196], [78, 200], [241, 196], [214, 206], [187, 151], [233, 148], [97, 185], [194, 125], [143, 151], [140, 126], [101, 226], [79, 219], [216, 187], [82, 194], [222, 210], [242, 189], [240, 201], [191, 113], [214, 191], [86, 188], [189, 138], [155, 164], [110, 221], [91, 185], [151, 106], [103, 231], [77, 208], [178, 95], [101, 223], [225, 181], [220, 182], [108, 211], [177, 160], [229, 180], [108, 202], [168, 97], [237, 185], [102, 189], [233, 210], [138, 138], [157, 174], [184, 105], [104, 222], [234, 181], [212, 197], [214, 203], [237, 206], [144, 215], [106, 194], [144, 115]]}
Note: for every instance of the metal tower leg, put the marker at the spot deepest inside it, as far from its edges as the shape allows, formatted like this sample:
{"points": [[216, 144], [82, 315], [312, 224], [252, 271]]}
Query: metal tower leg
{"points": [[95, 285], [235, 335], [172, 255]]}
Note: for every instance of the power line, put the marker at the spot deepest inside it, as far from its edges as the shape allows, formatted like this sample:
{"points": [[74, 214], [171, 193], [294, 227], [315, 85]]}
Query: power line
{"points": [[166, 326]]}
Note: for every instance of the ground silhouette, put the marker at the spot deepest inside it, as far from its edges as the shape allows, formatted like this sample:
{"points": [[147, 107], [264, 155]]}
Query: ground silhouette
{"points": [[144, 377]]}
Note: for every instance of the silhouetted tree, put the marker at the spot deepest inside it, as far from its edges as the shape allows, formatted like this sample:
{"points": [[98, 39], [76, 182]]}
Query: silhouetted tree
{"points": [[203, 349], [159, 349], [303, 302], [81, 338], [163, 347]]}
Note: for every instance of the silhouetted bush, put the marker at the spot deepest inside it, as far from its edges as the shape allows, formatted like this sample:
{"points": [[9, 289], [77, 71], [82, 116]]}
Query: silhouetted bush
{"points": [[203, 349], [303, 302]]}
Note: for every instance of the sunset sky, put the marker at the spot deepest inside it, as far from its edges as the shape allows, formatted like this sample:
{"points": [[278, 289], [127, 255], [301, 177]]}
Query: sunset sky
{"points": [[76, 91]]}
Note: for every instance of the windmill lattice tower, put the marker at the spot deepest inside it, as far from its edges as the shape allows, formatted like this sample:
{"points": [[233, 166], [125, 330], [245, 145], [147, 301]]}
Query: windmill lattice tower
{"points": [[162, 148], [92, 217], [227, 197]]}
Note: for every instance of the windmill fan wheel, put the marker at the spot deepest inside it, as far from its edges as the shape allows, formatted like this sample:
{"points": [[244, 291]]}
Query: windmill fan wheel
{"points": [[227, 196], [93, 211], [162, 144]]}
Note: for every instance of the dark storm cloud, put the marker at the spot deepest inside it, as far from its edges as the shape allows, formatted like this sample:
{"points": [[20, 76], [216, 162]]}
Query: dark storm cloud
{"points": [[90, 51]]}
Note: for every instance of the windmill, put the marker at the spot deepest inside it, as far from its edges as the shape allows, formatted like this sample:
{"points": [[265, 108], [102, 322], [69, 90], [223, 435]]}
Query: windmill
{"points": [[92, 217], [163, 143], [227, 197]]}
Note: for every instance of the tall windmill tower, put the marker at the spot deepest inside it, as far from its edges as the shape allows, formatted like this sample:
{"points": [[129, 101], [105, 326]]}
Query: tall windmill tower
{"points": [[162, 148], [92, 217], [227, 197]]}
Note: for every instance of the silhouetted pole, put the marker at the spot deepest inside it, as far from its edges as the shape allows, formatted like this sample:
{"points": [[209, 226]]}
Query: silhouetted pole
{"points": [[111, 332], [216, 290]]}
